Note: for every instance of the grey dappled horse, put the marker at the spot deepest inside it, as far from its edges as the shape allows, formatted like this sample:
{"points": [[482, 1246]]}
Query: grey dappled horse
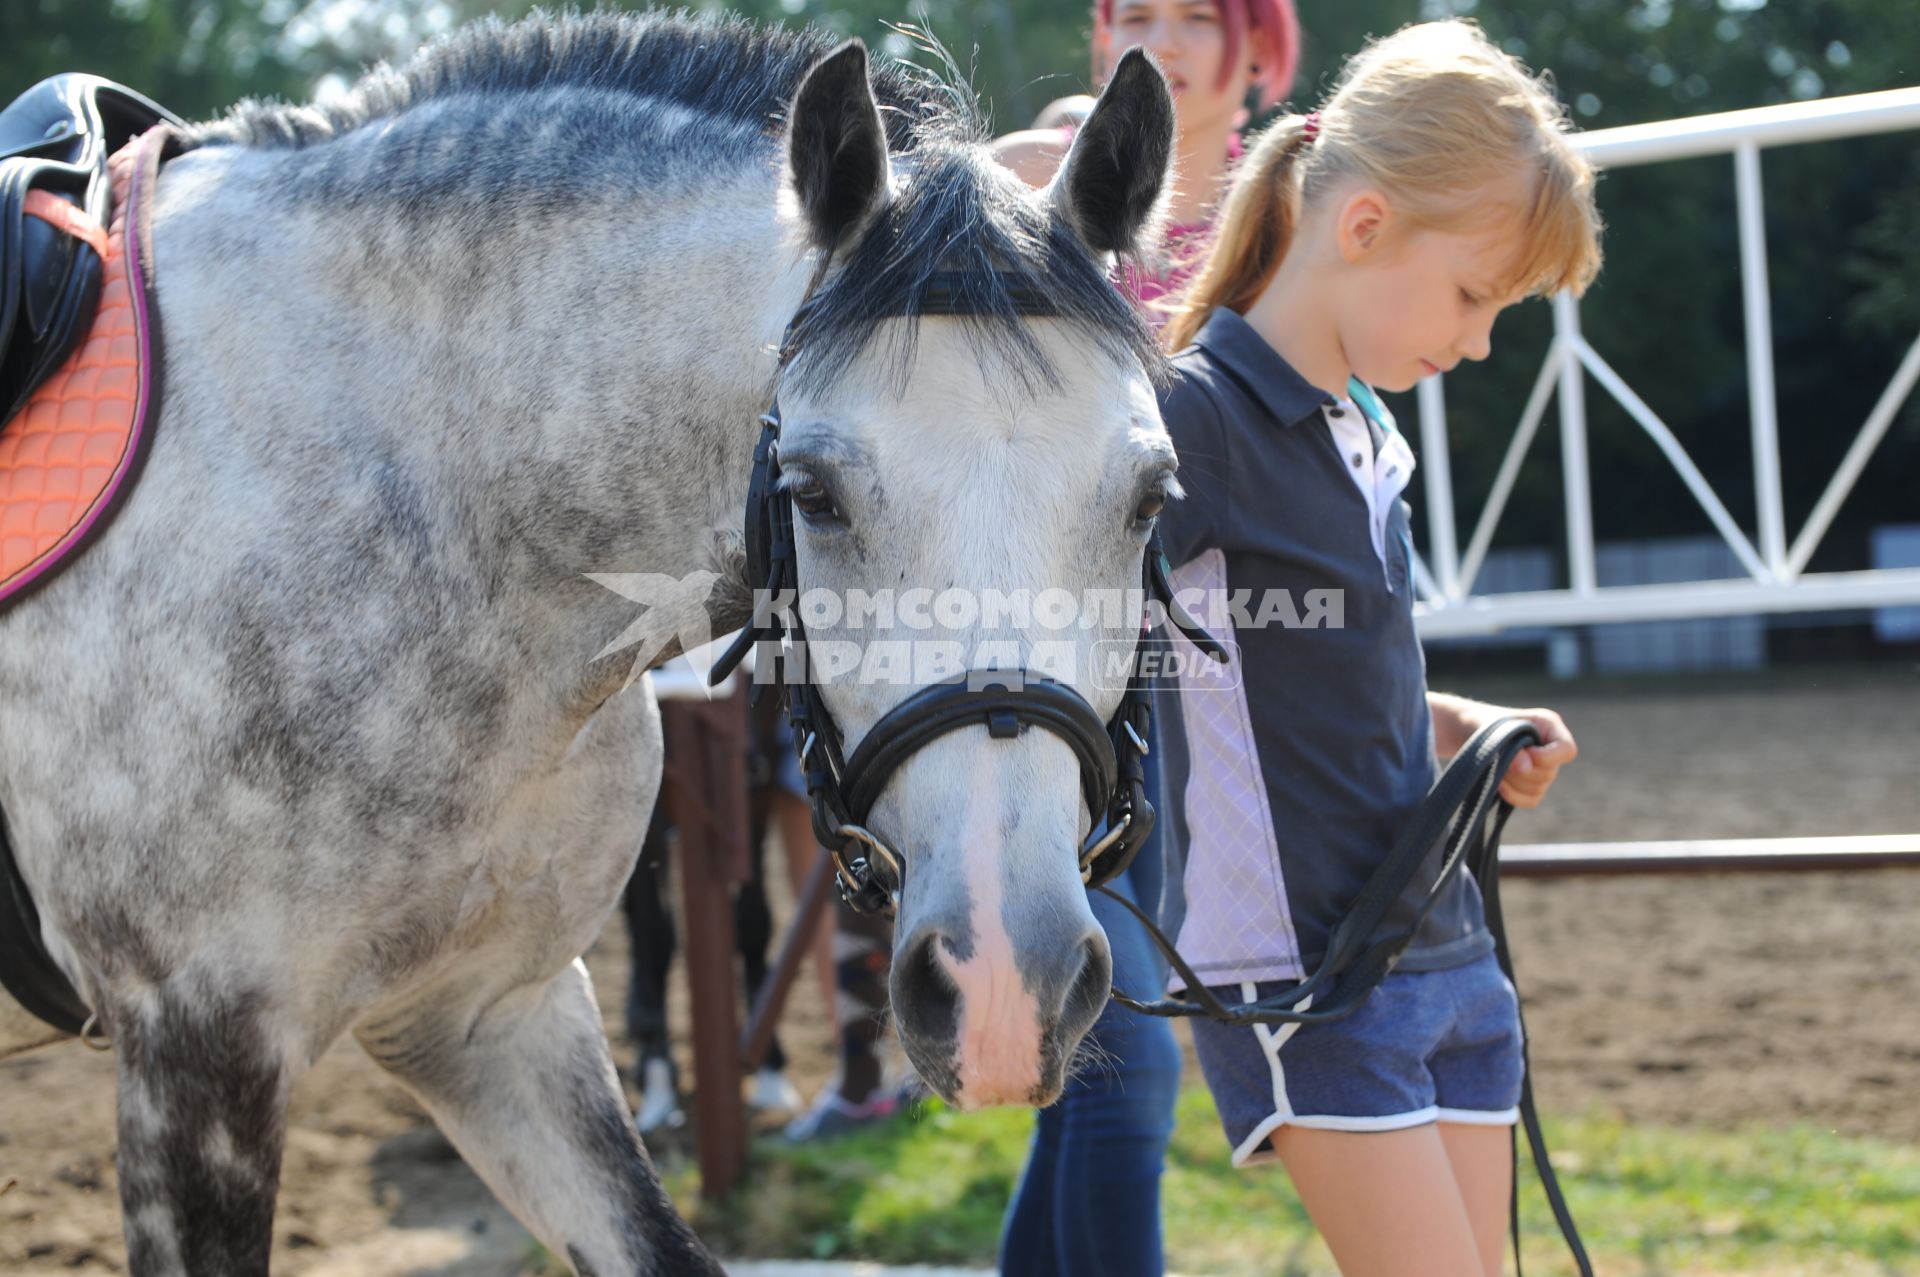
{"points": [[324, 735]]}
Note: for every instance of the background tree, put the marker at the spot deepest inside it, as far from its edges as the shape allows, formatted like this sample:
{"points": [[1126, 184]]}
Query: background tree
{"points": [[1843, 220], [1667, 309]]}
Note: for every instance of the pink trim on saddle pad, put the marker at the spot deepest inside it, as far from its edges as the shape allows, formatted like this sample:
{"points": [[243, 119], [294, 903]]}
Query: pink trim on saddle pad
{"points": [[71, 218], [70, 450]]}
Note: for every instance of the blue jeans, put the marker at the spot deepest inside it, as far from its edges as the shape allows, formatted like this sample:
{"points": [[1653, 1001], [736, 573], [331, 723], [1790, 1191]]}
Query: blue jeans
{"points": [[1088, 1204]]}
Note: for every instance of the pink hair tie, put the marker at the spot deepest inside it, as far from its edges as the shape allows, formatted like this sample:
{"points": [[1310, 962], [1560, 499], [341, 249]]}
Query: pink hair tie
{"points": [[1312, 127]]}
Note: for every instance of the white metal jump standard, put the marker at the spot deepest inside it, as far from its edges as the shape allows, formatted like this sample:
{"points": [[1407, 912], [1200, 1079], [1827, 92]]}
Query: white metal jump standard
{"points": [[1776, 579]]}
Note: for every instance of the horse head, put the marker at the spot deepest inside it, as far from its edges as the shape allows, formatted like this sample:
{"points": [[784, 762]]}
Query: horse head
{"points": [[969, 439]]}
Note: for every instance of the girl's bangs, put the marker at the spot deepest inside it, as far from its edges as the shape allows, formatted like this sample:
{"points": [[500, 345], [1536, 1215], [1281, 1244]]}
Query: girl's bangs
{"points": [[1557, 237]]}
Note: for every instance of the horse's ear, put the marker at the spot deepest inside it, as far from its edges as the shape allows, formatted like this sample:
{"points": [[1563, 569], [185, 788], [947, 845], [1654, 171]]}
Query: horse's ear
{"points": [[836, 146], [1110, 184]]}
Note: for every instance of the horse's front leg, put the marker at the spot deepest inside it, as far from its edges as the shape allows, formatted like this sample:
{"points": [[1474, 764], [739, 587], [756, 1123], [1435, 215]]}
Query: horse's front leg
{"points": [[203, 1088], [527, 1092]]}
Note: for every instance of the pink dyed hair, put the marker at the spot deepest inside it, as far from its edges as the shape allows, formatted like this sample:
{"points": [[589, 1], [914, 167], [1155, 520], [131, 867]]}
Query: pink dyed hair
{"points": [[1274, 18]]}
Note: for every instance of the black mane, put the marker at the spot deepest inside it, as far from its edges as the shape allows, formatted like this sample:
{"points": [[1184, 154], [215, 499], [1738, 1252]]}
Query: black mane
{"points": [[961, 218], [723, 66]]}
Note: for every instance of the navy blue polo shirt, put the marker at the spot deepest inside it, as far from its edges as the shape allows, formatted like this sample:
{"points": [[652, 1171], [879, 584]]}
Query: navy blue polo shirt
{"points": [[1300, 762]]}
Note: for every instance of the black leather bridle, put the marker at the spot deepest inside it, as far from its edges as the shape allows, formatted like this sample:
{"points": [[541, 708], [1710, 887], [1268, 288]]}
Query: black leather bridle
{"points": [[842, 790]]}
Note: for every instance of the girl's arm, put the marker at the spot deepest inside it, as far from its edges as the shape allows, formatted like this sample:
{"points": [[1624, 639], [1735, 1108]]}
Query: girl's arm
{"points": [[1534, 769]]}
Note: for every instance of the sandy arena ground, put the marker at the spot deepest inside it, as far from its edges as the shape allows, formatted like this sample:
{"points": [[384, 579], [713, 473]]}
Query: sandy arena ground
{"points": [[1706, 1000]]}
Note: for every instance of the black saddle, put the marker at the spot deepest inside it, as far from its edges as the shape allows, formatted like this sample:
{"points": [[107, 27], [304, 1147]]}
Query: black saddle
{"points": [[56, 138]]}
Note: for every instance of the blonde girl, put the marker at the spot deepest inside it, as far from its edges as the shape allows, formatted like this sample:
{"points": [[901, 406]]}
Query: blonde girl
{"points": [[1370, 243]]}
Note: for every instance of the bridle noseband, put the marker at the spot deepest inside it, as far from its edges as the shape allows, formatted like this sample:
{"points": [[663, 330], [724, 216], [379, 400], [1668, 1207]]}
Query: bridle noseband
{"points": [[842, 790]]}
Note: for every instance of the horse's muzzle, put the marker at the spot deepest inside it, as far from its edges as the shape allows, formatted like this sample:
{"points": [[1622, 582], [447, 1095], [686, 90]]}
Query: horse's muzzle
{"points": [[987, 1024]]}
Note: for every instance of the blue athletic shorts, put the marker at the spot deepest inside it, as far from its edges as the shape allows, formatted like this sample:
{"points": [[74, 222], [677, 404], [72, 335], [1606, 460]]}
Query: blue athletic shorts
{"points": [[1426, 1046]]}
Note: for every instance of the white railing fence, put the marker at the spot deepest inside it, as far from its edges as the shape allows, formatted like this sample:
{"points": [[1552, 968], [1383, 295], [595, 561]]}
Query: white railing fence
{"points": [[1777, 580]]}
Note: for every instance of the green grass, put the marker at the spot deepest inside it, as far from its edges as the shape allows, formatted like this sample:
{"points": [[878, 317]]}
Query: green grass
{"points": [[1649, 1200]]}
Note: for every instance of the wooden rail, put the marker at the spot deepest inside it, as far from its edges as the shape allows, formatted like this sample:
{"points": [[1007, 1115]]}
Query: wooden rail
{"points": [[705, 790]]}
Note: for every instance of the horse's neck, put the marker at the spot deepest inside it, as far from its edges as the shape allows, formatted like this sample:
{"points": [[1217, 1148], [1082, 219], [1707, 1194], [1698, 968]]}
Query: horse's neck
{"points": [[580, 388]]}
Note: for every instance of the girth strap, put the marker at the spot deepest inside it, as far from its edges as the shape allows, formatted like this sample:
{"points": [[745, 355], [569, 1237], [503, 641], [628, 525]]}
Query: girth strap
{"points": [[26, 969]]}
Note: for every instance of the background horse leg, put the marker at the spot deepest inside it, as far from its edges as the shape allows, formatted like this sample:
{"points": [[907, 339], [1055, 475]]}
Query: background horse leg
{"points": [[651, 936], [202, 1120], [527, 1092]]}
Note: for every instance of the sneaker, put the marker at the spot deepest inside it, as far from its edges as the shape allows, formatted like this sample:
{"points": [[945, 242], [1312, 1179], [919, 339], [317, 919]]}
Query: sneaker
{"points": [[832, 1114], [659, 1098], [773, 1092]]}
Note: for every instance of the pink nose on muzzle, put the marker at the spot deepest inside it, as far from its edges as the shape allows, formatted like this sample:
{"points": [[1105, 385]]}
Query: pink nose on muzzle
{"points": [[987, 1022]]}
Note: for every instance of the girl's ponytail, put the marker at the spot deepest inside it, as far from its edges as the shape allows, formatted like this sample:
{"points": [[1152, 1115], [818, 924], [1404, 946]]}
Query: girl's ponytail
{"points": [[1252, 231]]}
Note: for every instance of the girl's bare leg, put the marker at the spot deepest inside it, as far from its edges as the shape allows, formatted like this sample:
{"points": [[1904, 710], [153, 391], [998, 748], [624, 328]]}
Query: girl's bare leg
{"points": [[1386, 1202], [1482, 1158]]}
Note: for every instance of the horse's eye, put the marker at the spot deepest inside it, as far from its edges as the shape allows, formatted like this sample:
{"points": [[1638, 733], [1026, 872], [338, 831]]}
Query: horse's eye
{"points": [[812, 499], [1151, 505]]}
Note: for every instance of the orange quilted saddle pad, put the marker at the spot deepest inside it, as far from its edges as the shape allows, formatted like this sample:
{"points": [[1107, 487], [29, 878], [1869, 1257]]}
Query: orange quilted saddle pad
{"points": [[69, 452]]}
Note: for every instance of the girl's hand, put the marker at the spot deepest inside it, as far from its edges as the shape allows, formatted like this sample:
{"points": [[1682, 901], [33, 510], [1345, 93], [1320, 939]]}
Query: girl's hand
{"points": [[1535, 768]]}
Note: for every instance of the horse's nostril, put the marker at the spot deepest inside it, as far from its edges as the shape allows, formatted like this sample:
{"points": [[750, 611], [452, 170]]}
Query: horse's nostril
{"points": [[926, 1003], [1087, 997]]}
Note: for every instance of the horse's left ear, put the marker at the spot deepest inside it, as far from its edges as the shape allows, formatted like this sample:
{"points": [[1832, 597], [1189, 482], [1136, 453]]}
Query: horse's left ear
{"points": [[836, 146], [1109, 185]]}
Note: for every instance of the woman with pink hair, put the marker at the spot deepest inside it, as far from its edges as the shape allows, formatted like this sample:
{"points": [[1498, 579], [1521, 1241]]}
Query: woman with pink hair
{"points": [[1224, 61]]}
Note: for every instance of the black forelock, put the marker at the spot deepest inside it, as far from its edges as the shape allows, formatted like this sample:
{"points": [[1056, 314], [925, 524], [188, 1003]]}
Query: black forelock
{"points": [[959, 218]]}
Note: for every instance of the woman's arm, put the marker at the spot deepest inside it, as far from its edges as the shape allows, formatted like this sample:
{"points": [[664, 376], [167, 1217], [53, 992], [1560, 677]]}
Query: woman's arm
{"points": [[1033, 154], [1534, 769]]}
